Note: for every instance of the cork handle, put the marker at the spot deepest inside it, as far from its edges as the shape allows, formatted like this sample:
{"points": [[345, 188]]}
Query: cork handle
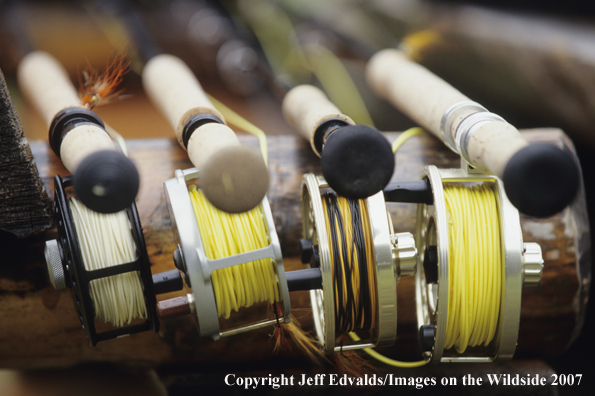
{"points": [[45, 83], [233, 178], [207, 141], [174, 89], [424, 98], [305, 107], [82, 141], [418, 93], [539, 179], [493, 145]]}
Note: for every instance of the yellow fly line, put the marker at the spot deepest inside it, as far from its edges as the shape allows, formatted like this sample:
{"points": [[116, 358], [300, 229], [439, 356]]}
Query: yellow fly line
{"points": [[224, 234], [475, 265]]}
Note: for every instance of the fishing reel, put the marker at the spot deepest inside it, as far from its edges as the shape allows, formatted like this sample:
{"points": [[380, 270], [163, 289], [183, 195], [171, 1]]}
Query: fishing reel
{"points": [[191, 259], [393, 256], [66, 269], [522, 264]]}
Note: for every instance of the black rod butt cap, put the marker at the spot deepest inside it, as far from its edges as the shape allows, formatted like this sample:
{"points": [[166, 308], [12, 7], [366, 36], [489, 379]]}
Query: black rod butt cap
{"points": [[106, 181], [541, 179], [357, 161]]}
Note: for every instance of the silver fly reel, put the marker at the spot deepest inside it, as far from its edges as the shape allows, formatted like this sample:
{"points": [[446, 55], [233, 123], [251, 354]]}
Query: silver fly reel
{"points": [[523, 265], [191, 259], [388, 259]]}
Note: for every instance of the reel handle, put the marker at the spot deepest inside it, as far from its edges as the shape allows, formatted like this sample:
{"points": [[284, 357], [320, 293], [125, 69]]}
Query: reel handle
{"points": [[357, 160], [540, 179], [105, 180], [234, 178]]}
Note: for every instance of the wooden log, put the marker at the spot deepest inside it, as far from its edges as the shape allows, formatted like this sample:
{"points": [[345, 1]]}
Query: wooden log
{"points": [[39, 326], [24, 205]]}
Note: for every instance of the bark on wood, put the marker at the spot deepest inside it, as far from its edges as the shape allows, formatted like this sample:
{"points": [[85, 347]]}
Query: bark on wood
{"points": [[24, 205]]}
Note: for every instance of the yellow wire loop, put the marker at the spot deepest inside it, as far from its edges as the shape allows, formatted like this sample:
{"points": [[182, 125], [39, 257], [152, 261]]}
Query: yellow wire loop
{"points": [[234, 118], [403, 137], [385, 360], [475, 265], [337, 83], [223, 235]]}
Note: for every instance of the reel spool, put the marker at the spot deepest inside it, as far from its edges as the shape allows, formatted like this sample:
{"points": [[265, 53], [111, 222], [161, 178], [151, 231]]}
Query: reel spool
{"points": [[67, 269], [394, 255], [522, 265], [191, 259]]}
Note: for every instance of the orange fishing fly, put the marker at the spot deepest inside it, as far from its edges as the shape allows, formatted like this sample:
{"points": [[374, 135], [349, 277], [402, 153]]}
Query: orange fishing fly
{"points": [[95, 88]]}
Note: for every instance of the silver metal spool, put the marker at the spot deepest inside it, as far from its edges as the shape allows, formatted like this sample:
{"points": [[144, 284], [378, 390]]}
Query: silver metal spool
{"points": [[199, 267], [432, 299], [323, 305]]}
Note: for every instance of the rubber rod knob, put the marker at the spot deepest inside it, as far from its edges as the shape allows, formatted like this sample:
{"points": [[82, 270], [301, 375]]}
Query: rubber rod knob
{"points": [[540, 179], [357, 161], [106, 181]]}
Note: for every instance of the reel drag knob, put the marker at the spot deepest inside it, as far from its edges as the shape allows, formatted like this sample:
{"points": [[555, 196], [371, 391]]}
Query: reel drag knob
{"points": [[404, 254], [53, 260], [532, 264]]}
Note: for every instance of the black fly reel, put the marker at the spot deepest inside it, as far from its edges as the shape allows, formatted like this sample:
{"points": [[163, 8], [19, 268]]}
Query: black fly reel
{"points": [[65, 255]]}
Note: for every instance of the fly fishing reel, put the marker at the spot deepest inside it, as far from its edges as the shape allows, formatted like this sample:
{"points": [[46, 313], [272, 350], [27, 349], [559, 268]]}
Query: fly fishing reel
{"points": [[389, 256], [445, 296], [67, 268], [199, 270]]}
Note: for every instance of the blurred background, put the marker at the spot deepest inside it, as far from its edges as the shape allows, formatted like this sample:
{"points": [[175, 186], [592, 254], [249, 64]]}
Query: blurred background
{"points": [[532, 62]]}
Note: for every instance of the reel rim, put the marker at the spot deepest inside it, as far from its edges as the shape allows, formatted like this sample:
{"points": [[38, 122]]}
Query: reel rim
{"points": [[198, 268], [503, 345], [78, 279], [322, 301]]}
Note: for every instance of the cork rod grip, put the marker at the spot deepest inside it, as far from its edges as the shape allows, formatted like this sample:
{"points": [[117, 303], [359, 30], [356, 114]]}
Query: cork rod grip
{"points": [[540, 179], [46, 84], [233, 178], [174, 90], [305, 107], [424, 97], [207, 141]]}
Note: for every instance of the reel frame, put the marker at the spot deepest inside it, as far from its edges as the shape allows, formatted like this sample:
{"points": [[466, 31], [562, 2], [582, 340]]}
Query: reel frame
{"points": [[78, 279], [432, 299], [191, 259], [322, 300]]}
